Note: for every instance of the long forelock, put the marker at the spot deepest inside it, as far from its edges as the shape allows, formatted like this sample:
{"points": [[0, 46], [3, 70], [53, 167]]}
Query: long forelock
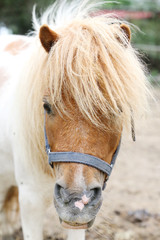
{"points": [[89, 64], [92, 65]]}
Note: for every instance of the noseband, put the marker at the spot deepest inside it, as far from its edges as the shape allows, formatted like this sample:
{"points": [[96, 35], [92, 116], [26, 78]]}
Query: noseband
{"points": [[76, 157]]}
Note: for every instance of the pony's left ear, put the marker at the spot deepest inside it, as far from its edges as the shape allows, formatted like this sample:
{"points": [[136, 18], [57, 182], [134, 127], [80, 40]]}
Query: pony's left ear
{"points": [[126, 31], [47, 37]]}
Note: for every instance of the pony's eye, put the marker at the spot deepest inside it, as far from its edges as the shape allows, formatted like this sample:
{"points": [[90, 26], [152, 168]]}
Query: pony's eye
{"points": [[47, 107]]}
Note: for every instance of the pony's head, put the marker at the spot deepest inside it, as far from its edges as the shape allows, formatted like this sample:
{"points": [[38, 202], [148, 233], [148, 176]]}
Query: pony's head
{"points": [[92, 83], [86, 106]]}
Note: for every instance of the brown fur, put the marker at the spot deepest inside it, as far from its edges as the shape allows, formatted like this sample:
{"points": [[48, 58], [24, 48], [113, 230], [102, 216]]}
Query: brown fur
{"points": [[16, 46], [47, 37], [11, 204], [126, 30], [13, 48]]}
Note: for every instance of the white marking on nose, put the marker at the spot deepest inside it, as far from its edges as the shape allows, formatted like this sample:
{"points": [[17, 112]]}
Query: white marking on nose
{"points": [[79, 180]]}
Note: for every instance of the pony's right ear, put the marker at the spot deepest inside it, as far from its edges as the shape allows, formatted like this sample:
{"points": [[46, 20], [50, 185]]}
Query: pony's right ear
{"points": [[126, 30], [127, 34], [47, 37]]}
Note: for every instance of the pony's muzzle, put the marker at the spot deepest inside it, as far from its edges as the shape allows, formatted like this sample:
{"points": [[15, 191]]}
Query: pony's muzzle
{"points": [[77, 207], [66, 196]]}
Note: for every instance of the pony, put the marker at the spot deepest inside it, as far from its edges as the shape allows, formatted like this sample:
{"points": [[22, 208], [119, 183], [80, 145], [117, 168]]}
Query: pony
{"points": [[76, 82]]}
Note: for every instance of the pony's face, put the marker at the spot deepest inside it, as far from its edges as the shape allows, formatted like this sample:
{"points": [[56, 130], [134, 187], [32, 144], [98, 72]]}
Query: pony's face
{"points": [[78, 188]]}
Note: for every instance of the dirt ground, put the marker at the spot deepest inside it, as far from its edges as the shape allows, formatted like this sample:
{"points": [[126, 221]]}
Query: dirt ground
{"points": [[131, 206]]}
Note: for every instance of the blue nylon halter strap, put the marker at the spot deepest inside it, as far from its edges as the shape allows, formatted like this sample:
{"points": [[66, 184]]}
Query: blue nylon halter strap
{"points": [[76, 157]]}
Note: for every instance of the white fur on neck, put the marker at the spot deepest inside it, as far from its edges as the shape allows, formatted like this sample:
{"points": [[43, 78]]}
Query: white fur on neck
{"points": [[76, 234]]}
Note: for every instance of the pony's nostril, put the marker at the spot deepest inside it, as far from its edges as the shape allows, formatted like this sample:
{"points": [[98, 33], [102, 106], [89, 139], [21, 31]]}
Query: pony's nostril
{"points": [[61, 193], [95, 194], [57, 190]]}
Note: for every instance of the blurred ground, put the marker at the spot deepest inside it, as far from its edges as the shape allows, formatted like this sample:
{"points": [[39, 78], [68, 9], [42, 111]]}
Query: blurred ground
{"points": [[131, 207]]}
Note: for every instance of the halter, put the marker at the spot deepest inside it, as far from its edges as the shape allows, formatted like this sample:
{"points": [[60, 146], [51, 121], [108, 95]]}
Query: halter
{"points": [[76, 157]]}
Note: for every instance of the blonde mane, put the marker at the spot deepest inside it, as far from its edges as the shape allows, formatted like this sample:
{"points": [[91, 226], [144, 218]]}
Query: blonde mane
{"points": [[91, 63]]}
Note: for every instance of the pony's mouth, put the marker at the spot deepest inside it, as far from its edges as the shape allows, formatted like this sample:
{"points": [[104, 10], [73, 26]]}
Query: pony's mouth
{"points": [[75, 225]]}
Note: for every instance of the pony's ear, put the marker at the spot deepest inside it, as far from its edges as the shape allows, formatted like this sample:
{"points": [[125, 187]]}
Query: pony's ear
{"points": [[126, 31], [47, 37]]}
